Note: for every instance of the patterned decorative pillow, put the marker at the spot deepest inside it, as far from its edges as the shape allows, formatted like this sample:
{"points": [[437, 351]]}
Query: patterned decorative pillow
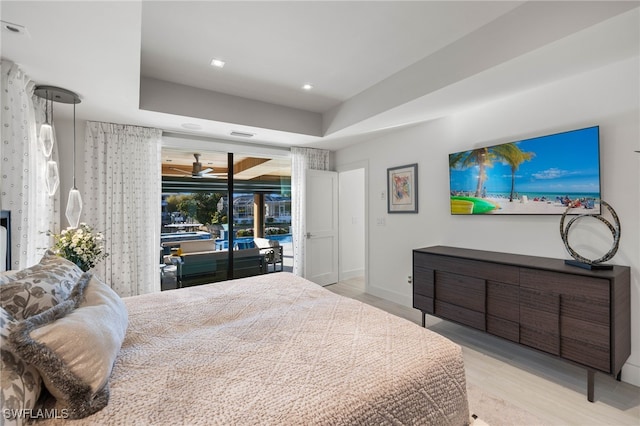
{"points": [[20, 383], [74, 345], [33, 290], [8, 276]]}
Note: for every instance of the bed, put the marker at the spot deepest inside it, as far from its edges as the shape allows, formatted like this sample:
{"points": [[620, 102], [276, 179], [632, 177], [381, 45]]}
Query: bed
{"points": [[276, 349]]}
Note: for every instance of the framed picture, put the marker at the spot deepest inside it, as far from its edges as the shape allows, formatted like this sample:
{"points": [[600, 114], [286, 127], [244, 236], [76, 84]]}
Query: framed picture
{"points": [[402, 189]]}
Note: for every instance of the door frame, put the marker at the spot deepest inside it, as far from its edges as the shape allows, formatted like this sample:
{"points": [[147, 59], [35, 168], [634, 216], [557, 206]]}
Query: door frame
{"points": [[362, 164]]}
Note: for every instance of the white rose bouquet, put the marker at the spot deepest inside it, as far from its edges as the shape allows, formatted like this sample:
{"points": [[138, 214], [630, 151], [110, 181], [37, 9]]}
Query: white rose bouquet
{"points": [[82, 246]]}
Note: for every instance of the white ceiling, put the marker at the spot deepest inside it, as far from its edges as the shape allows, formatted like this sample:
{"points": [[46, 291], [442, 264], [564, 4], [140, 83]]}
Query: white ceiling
{"points": [[374, 65], [271, 49]]}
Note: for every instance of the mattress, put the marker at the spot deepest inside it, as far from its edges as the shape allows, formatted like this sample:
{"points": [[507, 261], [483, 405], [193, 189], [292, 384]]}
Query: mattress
{"points": [[276, 349]]}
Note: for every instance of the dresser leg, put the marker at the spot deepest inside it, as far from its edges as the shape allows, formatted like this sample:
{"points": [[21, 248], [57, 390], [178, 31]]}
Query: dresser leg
{"points": [[424, 319], [590, 384]]}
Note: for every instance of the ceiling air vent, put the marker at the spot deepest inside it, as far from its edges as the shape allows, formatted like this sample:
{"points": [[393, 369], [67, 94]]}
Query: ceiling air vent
{"points": [[15, 28], [242, 134]]}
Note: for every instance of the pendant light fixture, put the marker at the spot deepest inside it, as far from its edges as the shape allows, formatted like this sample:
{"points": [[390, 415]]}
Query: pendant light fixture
{"points": [[46, 130], [74, 203], [52, 177], [47, 139]]}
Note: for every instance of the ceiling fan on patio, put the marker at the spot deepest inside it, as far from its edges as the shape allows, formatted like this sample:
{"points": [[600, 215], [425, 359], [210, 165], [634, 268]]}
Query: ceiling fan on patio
{"points": [[198, 172]]}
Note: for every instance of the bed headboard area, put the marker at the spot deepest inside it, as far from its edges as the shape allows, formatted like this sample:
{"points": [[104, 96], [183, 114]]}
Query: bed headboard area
{"points": [[5, 240]]}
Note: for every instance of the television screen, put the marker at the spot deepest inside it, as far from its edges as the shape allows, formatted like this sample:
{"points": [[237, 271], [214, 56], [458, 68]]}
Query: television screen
{"points": [[543, 175]]}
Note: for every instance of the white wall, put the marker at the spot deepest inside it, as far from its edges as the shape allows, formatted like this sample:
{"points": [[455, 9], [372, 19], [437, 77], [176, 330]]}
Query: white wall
{"points": [[608, 97], [352, 221]]}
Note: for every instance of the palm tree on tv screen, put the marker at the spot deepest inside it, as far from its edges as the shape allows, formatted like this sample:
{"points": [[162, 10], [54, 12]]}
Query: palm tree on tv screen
{"points": [[480, 157], [511, 154]]}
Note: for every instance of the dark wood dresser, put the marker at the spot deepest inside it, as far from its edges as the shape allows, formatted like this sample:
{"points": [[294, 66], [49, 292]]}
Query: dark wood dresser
{"points": [[576, 314]]}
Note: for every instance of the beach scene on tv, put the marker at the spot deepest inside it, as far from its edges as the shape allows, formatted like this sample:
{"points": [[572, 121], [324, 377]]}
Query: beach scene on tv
{"points": [[543, 175]]}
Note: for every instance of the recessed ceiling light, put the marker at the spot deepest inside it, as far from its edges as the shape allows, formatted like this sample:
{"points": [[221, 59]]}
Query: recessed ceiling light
{"points": [[217, 63], [307, 86]]}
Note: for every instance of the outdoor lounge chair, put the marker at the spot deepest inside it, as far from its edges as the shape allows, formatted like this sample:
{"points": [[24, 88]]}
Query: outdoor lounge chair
{"points": [[272, 251]]}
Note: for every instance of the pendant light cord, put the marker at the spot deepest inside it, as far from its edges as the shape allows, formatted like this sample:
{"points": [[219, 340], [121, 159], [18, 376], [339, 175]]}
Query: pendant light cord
{"points": [[74, 145], [46, 109]]}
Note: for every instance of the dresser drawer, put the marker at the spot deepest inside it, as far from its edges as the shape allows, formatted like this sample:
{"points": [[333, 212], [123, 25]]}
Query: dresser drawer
{"points": [[540, 320], [475, 268], [586, 354], [581, 307], [423, 281], [585, 342], [568, 284], [460, 315], [503, 301], [584, 298], [506, 329], [461, 290]]}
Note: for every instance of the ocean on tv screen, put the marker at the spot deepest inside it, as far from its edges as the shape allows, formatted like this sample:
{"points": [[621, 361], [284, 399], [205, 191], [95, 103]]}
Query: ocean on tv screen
{"points": [[541, 175]]}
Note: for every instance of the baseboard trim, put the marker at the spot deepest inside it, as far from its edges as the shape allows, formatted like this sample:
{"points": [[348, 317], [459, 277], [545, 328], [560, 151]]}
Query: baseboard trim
{"points": [[401, 299], [354, 273], [631, 374]]}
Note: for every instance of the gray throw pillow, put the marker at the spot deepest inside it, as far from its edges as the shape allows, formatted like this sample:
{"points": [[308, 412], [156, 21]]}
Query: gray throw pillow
{"points": [[33, 290], [20, 383]]}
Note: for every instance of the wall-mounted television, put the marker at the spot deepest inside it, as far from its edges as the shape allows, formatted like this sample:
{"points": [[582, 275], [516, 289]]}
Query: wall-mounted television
{"points": [[542, 175]]}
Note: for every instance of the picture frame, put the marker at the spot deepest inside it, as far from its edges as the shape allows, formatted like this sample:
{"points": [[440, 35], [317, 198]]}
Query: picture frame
{"points": [[402, 189]]}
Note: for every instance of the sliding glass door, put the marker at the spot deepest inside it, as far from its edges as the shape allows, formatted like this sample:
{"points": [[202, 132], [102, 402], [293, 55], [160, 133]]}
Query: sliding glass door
{"points": [[213, 206]]}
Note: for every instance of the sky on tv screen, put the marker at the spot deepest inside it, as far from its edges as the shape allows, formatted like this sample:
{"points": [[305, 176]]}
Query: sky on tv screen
{"points": [[564, 163]]}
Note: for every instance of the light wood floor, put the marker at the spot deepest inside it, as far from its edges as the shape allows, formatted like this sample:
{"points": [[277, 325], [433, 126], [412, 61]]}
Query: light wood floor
{"points": [[551, 389]]}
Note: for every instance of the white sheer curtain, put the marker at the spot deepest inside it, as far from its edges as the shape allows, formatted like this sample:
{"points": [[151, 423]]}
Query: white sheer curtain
{"points": [[302, 159], [22, 167], [121, 197]]}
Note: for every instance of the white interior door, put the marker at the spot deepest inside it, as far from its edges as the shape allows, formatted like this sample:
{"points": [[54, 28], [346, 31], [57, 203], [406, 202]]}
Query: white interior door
{"points": [[321, 254]]}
